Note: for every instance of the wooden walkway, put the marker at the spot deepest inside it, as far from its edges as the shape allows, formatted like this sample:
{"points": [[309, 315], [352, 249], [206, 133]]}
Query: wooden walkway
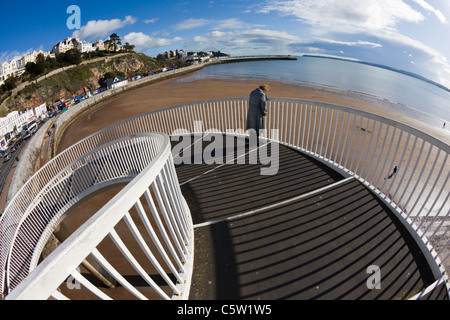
{"points": [[303, 233]]}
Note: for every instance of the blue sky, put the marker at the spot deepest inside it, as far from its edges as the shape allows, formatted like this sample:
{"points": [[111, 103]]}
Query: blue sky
{"points": [[412, 35]]}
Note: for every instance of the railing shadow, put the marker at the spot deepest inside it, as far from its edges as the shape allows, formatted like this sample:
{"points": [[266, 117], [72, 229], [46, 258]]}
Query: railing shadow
{"points": [[319, 247], [215, 191], [316, 248]]}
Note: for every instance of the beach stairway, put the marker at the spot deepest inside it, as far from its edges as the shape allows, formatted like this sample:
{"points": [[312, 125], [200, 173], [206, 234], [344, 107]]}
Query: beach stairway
{"points": [[305, 232]]}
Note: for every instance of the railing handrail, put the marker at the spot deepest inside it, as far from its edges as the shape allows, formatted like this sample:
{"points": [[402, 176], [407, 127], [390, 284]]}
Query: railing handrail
{"points": [[52, 272], [59, 185], [305, 122]]}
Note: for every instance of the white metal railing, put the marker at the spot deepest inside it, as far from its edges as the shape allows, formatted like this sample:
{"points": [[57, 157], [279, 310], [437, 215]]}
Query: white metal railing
{"points": [[120, 160], [354, 142], [156, 184], [113, 155]]}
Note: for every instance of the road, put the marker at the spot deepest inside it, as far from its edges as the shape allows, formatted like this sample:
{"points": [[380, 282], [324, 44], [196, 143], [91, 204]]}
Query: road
{"points": [[6, 173]]}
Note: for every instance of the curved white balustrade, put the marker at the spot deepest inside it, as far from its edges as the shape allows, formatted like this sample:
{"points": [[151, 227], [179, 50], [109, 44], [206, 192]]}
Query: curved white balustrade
{"points": [[354, 142]]}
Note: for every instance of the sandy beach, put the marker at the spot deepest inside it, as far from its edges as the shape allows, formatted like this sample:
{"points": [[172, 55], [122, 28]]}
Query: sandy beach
{"points": [[172, 92]]}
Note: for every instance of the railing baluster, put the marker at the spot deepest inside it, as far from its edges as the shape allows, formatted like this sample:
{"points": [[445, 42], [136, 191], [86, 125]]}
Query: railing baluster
{"points": [[132, 260], [116, 275], [82, 280]]}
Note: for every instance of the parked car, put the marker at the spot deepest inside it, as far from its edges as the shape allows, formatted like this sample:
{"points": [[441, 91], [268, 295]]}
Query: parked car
{"points": [[6, 157]]}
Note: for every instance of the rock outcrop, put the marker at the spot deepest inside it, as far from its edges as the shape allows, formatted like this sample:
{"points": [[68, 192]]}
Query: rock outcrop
{"points": [[74, 81]]}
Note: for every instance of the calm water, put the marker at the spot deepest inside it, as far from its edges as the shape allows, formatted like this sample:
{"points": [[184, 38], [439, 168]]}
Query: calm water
{"points": [[408, 95]]}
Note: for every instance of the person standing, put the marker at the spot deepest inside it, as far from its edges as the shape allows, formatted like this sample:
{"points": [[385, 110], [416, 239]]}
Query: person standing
{"points": [[257, 109]]}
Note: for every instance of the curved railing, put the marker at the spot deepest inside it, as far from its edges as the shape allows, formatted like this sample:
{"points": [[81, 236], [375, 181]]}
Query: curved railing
{"points": [[109, 164], [114, 155], [354, 142]]}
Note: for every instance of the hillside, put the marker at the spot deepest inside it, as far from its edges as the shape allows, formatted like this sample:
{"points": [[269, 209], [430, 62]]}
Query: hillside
{"points": [[81, 79]]}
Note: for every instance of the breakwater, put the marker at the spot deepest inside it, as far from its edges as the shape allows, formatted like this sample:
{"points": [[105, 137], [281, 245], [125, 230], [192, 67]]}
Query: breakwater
{"points": [[253, 58]]}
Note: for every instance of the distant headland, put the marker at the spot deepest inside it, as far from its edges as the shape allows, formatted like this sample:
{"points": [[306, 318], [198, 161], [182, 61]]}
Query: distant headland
{"points": [[384, 67]]}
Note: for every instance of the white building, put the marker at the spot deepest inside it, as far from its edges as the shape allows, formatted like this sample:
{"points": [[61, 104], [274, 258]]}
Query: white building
{"points": [[99, 45], [172, 54], [117, 82], [10, 126], [40, 111], [64, 46], [13, 120], [84, 46], [32, 56], [17, 66], [9, 69]]}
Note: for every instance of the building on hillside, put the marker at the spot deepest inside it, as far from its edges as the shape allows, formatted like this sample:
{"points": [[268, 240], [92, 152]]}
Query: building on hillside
{"points": [[111, 47], [32, 56], [11, 68], [175, 54], [16, 67], [99, 45], [84, 46], [117, 82], [65, 46]]}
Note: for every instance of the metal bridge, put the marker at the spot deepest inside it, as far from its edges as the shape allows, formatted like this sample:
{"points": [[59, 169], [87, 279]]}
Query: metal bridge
{"points": [[314, 211]]}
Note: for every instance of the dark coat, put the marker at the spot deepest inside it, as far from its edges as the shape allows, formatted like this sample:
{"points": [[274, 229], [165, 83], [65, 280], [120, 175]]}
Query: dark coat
{"points": [[257, 110]]}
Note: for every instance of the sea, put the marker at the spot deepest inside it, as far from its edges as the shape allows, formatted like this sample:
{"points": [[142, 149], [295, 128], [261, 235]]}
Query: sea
{"points": [[404, 93]]}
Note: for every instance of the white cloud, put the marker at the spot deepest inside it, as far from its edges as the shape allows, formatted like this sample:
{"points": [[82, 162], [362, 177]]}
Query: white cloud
{"points": [[265, 41], [254, 41], [143, 42], [425, 5], [97, 29], [346, 16], [191, 24], [232, 23], [8, 56], [354, 43], [154, 20], [212, 36]]}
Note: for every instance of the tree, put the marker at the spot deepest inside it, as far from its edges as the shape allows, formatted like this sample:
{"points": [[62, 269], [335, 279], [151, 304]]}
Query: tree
{"points": [[73, 56], [108, 44], [115, 40], [51, 63], [160, 58], [10, 83], [40, 59], [75, 43], [30, 67], [128, 47], [40, 64]]}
